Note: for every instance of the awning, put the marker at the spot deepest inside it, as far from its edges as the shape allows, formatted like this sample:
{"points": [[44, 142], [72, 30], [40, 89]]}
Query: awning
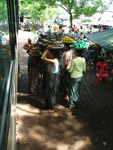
{"points": [[102, 38], [55, 20]]}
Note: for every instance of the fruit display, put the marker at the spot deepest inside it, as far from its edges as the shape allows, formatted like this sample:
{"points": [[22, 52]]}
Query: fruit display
{"points": [[67, 39]]}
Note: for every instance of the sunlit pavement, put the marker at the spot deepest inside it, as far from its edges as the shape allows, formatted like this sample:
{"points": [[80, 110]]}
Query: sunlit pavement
{"points": [[25, 35]]}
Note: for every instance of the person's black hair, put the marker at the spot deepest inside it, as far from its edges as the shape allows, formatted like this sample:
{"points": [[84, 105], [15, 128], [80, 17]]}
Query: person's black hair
{"points": [[55, 53], [79, 51], [67, 44]]}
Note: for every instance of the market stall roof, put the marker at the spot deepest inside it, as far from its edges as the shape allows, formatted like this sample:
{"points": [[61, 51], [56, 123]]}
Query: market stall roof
{"points": [[55, 20], [102, 38]]}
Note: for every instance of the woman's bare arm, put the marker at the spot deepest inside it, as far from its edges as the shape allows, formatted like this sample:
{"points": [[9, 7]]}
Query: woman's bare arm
{"points": [[44, 57]]}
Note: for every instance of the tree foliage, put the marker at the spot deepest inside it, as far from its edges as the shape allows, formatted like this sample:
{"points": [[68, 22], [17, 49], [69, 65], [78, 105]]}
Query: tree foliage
{"points": [[3, 11], [38, 10], [74, 8], [77, 7]]}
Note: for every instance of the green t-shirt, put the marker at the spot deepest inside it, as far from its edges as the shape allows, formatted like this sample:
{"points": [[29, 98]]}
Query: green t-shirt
{"points": [[78, 66]]}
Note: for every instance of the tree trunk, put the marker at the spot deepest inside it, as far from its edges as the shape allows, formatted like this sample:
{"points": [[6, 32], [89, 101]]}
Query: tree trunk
{"points": [[71, 24]]}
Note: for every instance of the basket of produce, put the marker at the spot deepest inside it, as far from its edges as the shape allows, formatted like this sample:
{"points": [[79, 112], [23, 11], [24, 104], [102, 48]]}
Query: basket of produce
{"points": [[79, 44], [68, 40], [56, 47], [43, 42], [56, 44], [34, 52]]}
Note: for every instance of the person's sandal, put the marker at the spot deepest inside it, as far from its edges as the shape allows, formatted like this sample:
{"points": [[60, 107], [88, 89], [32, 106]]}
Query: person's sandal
{"points": [[48, 111], [51, 111]]}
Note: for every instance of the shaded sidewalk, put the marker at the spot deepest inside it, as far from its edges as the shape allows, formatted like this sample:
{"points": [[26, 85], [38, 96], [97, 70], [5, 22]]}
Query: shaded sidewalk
{"points": [[88, 127]]}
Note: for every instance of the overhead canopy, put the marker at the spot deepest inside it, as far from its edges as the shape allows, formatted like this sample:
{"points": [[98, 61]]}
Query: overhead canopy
{"points": [[55, 20], [102, 38]]}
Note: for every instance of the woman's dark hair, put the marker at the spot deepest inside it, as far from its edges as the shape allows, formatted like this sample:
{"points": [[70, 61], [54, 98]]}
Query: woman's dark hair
{"points": [[55, 53], [67, 44], [79, 51]]}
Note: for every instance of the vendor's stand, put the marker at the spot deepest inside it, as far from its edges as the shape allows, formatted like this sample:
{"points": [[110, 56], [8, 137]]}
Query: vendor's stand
{"points": [[105, 40]]}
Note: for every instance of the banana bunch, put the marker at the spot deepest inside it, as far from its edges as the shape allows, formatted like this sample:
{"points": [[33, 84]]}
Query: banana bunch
{"points": [[67, 39]]}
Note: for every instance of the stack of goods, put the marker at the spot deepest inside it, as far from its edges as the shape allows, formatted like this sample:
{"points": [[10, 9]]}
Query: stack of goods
{"points": [[55, 44], [34, 52], [43, 42], [80, 44], [27, 46], [67, 39]]}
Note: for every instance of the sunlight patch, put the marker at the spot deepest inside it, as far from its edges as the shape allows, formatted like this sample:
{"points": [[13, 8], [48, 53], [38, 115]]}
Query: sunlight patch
{"points": [[26, 109]]}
